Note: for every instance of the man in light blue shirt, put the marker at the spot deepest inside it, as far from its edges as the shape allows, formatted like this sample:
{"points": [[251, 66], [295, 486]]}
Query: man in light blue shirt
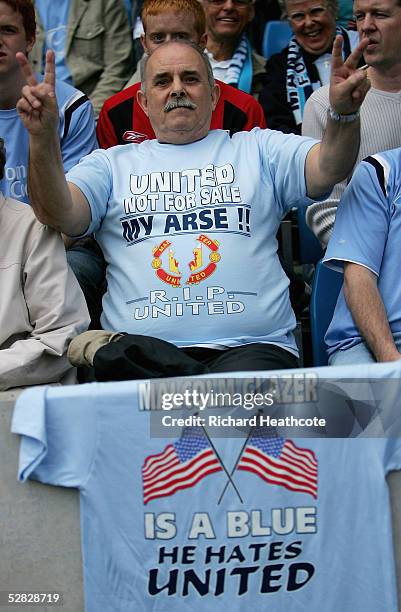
{"points": [[187, 222], [75, 125], [366, 326]]}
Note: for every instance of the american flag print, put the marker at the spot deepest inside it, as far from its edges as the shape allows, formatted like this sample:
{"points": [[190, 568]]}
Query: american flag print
{"points": [[280, 462], [181, 465]]}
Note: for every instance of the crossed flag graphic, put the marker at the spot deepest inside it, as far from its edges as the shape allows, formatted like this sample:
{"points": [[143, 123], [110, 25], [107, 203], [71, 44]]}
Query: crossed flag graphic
{"points": [[193, 456]]}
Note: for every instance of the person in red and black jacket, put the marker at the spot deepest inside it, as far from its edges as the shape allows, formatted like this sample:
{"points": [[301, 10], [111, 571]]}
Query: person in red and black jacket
{"points": [[123, 121]]}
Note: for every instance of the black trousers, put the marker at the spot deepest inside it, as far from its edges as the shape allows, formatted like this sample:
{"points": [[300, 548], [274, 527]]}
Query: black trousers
{"points": [[135, 357]]}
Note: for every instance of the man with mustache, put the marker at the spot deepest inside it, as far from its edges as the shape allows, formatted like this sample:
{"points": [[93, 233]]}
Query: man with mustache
{"points": [[379, 23], [187, 222], [122, 120]]}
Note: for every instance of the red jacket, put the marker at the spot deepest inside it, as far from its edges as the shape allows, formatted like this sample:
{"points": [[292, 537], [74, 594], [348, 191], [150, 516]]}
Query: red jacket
{"points": [[122, 120]]}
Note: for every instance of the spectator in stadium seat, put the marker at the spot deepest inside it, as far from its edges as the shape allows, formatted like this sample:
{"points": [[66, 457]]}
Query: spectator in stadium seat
{"points": [[379, 21], [304, 65], [92, 41], [366, 326], [76, 127], [122, 120], [41, 305], [230, 52], [187, 222]]}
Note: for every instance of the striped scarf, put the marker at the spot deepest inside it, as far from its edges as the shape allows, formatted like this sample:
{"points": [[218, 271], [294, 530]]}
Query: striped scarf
{"points": [[239, 72], [299, 86]]}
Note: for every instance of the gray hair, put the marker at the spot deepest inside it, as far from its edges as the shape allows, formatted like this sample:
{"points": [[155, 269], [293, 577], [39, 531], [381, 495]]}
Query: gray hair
{"points": [[2, 158], [186, 43], [331, 4]]}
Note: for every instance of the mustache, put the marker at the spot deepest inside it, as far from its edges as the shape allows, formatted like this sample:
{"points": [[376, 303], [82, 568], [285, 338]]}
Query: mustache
{"points": [[179, 103]]}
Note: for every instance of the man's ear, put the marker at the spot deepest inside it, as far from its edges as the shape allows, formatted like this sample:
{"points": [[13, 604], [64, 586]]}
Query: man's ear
{"points": [[142, 101], [203, 41], [29, 45], [215, 95], [143, 42]]}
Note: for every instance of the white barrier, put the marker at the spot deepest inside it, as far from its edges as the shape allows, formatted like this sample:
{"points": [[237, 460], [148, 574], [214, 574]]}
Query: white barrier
{"points": [[40, 547]]}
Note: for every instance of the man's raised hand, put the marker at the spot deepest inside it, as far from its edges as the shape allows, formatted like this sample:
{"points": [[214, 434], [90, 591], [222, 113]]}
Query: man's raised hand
{"points": [[348, 83], [37, 106]]}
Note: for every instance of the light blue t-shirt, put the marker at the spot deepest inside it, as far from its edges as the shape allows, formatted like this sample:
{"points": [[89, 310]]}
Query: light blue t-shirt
{"points": [[367, 232], [156, 537], [54, 18], [189, 235], [76, 131]]}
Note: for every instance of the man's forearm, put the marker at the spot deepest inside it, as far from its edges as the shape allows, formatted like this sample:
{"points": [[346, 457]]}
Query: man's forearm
{"points": [[55, 204], [367, 308], [48, 189], [333, 160]]}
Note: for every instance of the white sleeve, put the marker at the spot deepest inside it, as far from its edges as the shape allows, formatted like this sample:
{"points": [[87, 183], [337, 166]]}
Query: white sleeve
{"points": [[56, 309]]}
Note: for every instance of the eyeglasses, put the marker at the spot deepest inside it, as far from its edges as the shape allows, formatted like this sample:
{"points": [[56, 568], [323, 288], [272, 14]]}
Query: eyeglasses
{"points": [[299, 17], [238, 3]]}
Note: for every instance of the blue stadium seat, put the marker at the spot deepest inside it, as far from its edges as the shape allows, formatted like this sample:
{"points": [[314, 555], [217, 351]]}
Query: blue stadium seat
{"points": [[275, 37], [326, 286], [310, 250]]}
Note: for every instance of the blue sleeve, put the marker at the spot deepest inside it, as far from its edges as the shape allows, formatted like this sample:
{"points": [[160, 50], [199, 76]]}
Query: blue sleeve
{"points": [[362, 221], [94, 178], [284, 157], [58, 439], [77, 130]]}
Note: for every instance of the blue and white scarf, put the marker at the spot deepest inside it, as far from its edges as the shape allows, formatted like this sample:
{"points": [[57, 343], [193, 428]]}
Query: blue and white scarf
{"points": [[239, 73], [299, 86]]}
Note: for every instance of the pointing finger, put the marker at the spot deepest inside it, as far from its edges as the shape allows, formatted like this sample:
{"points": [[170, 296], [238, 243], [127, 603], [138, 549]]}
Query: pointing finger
{"points": [[337, 53], [26, 68], [50, 69]]}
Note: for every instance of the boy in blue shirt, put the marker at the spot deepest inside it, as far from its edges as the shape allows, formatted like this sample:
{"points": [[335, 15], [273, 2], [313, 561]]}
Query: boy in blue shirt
{"points": [[76, 125]]}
